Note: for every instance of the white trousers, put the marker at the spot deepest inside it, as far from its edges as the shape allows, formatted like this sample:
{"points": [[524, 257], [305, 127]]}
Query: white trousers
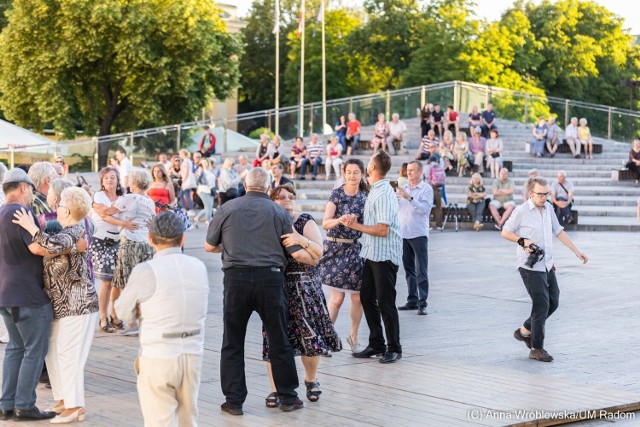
{"points": [[336, 166], [69, 346], [168, 390]]}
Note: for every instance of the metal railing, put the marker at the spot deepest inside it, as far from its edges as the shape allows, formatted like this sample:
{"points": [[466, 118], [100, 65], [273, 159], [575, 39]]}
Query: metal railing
{"points": [[604, 121]]}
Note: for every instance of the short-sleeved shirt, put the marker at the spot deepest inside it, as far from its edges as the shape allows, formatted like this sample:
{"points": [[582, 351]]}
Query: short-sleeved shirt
{"points": [[354, 127], [249, 228], [571, 132], [489, 116], [437, 116], [381, 207], [102, 228], [453, 116], [559, 192], [552, 132], [537, 225], [506, 185], [314, 150], [124, 169], [21, 272], [295, 150], [140, 209]]}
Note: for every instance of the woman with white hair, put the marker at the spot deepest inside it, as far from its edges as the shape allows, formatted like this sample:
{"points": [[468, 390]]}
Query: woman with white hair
{"points": [[228, 182], [380, 132], [584, 137], [68, 284], [476, 193]]}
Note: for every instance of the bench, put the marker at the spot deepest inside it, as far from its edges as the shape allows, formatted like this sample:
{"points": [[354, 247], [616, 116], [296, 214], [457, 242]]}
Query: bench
{"points": [[463, 215], [623, 175], [505, 164], [564, 148]]}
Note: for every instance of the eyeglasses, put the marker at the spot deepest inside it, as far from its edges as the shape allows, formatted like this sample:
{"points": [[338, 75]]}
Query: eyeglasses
{"points": [[542, 194]]}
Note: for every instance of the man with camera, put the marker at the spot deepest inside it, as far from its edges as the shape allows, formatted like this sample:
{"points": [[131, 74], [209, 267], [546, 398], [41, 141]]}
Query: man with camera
{"points": [[531, 226]]}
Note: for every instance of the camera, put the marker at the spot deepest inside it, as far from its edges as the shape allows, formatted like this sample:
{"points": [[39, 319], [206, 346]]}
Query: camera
{"points": [[537, 253], [394, 184]]}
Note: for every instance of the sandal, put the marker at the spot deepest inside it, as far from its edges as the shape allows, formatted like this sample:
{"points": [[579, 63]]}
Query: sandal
{"points": [[119, 325], [312, 395], [272, 400], [107, 327]]}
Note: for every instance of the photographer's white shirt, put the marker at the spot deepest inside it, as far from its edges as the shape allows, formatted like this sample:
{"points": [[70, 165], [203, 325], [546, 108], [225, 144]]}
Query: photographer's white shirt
{"points": [[528, 221]]}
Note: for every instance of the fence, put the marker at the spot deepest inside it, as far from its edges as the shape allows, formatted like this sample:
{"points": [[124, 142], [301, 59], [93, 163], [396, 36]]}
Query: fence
{"points": [[604, 121]]}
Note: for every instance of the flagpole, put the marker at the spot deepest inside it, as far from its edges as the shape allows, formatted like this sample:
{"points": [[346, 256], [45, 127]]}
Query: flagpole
{"points": [[301, 112], [324, 74], [276, 30]]}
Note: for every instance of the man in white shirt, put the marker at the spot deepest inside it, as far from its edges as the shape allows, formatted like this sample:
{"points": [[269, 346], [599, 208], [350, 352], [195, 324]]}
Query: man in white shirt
{"points": [[571, 135], [170, 296], [124, 168], [397, 132]]}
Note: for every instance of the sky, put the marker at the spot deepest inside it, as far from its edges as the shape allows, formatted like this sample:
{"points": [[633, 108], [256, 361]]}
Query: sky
{"points": [[492, 9]]}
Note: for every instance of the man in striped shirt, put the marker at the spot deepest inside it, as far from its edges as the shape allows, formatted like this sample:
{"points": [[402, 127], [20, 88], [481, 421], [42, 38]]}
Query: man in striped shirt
{"points": [[314, 156], [382, 252]]}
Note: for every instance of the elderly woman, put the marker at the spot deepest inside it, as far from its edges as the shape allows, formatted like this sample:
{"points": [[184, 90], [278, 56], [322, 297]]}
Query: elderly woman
{"points": [[310, 329], [228, 182], [264, 150], [475, 119], [493, 150], [298, 154], [334, 157], [278, 150], [206, 188], [340, 268], [461, 153], [584, 137], [539, 132], [380, 132], [75, 303], [476, 193], [52, 225], [135, 208]]}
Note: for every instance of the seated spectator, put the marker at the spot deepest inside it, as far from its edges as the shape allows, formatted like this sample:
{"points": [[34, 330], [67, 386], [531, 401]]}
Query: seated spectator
{"points": [[334, 157], [353, 133], [380, 132], [445, 153], [397, 133], [477, 146], [461, 153], [584, 138], [243, 166], [425, 119], [562, 198], [447, 138], [437, 120], [341, 132], [207, 143], [264, 151], [428, 141], [228, 181], [552, 137], [163, 159], [341, 180], [298, 153], [488, 120], [277, 172], [475, 120], [276, 154], [571, 135], [493, 151], [502, 198], [314, 156], [539, 137], [451, 120], [634, 159], [436, 177], [533, 173], [403, 179], [476, 193]]}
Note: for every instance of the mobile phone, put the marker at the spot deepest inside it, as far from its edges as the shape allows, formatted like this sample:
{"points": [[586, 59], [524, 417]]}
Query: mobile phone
{"points": [[394, 184]]}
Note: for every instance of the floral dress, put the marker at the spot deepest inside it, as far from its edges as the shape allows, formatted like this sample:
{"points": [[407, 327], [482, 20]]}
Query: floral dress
{"points": [[310, 330], [380, 132], [341, 265]]}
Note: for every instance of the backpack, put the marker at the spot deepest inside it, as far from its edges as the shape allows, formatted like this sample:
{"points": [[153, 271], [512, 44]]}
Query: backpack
{"points": [[436, 175]]}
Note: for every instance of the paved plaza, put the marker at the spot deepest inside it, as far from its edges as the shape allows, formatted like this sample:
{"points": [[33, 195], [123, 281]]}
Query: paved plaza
{"points": [[461, 355]]}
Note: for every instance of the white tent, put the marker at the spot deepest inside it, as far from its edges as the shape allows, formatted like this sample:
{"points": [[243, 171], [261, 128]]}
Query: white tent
{"points": [[22, 140]]}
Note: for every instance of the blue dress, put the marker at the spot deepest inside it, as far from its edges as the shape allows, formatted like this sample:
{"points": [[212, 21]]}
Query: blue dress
{"points": [[341, 265]]}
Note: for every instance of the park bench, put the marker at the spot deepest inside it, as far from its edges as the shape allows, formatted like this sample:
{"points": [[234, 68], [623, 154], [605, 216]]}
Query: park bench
{"points": [[623, 175]]}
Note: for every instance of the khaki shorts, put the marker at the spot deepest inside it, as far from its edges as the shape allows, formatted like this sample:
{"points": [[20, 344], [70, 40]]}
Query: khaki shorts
{"points": [[499, 205]]}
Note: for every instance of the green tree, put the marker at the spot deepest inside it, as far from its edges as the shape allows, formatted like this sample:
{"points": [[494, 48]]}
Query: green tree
{"points": [[113, 64], [4, 6]]}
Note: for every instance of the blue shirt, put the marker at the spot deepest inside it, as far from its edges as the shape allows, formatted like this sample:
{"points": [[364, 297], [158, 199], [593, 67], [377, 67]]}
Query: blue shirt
{"points": [[489, 116], [414, 214], [381, 207], [539, 226]]}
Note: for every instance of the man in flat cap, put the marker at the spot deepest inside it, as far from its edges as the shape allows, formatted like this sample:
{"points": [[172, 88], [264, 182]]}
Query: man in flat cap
{"points": [[169, 294]]}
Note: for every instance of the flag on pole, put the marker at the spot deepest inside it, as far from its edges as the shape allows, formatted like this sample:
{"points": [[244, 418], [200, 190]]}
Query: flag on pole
{"points": [[299, 29], [319, 17], [276, 25]]}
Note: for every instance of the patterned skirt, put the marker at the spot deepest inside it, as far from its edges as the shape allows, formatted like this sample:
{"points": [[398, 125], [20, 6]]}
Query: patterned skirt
{"points": [[103, 255], [130, 254], [310, 330]]}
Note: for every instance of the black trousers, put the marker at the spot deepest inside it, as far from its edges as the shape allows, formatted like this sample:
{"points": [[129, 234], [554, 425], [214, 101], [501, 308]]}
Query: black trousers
{"points": [[378, 297], [545, 296], [262, 290]]}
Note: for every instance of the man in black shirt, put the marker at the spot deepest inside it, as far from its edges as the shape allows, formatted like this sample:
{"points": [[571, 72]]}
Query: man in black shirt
{"points": [[247, 231]]}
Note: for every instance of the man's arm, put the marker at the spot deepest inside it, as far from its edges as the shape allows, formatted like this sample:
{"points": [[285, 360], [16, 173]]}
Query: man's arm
{"points": [[564, 238], [212, 249], [379, 230]]}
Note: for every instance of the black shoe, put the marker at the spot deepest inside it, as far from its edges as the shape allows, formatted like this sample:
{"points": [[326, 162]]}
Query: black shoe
{"points": [[302, 178], [292, 405], [32, 414], [526, 340], [231, 409], [368, 352], [6, 414], [313, 178], [390, 357], [422, 310], [408, 306]]}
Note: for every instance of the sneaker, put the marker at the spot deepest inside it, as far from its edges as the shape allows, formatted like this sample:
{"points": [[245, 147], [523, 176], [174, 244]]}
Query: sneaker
{"points": [[498, 227], [231, 409], [540, 355], [129, 331], [526, 340], [292, 405]]}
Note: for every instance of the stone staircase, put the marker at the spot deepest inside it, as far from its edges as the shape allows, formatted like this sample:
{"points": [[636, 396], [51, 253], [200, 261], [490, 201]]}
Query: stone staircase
{"points": [[602, 203]]}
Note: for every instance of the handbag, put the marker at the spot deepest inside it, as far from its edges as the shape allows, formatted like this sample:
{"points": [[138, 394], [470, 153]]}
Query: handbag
{"points": [[495, 155]]}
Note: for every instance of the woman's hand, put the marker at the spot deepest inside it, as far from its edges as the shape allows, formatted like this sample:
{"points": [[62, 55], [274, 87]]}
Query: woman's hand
{"points": [[294, 238], [129, 225], [25, 220]]}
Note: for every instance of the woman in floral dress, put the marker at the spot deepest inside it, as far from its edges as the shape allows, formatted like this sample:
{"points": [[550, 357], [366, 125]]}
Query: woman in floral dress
{"points": [[340, 268], [310, 328], [380, 132]]}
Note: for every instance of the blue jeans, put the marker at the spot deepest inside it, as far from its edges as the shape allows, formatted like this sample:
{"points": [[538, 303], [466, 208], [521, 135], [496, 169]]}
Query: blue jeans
{"points": [[207, 201], [562, 213], [305, 162], [24, 355], [184, 197], [415, 258]]}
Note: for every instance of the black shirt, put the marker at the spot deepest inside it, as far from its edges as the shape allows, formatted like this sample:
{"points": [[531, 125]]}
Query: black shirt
{"points": [[21, 272], [283, 181], [437, 116], [250, 229]]}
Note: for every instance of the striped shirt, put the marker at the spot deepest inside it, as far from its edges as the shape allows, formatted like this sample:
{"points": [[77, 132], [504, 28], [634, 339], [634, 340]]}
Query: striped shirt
{"points": [[314, 150], [381, 207]]}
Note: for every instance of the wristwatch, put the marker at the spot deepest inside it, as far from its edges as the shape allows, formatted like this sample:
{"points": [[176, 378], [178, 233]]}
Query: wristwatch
{"points": [[411, 199]]}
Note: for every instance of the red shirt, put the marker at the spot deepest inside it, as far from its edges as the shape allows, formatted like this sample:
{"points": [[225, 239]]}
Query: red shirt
{"points": [[354, 127], [453, 116]]}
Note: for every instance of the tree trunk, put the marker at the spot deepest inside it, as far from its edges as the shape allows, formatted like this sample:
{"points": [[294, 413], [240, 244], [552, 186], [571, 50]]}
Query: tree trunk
{"points": [[114, 108]]}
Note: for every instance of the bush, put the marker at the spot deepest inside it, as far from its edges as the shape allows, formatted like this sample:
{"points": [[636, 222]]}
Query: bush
{"points": [[255, 134]]}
